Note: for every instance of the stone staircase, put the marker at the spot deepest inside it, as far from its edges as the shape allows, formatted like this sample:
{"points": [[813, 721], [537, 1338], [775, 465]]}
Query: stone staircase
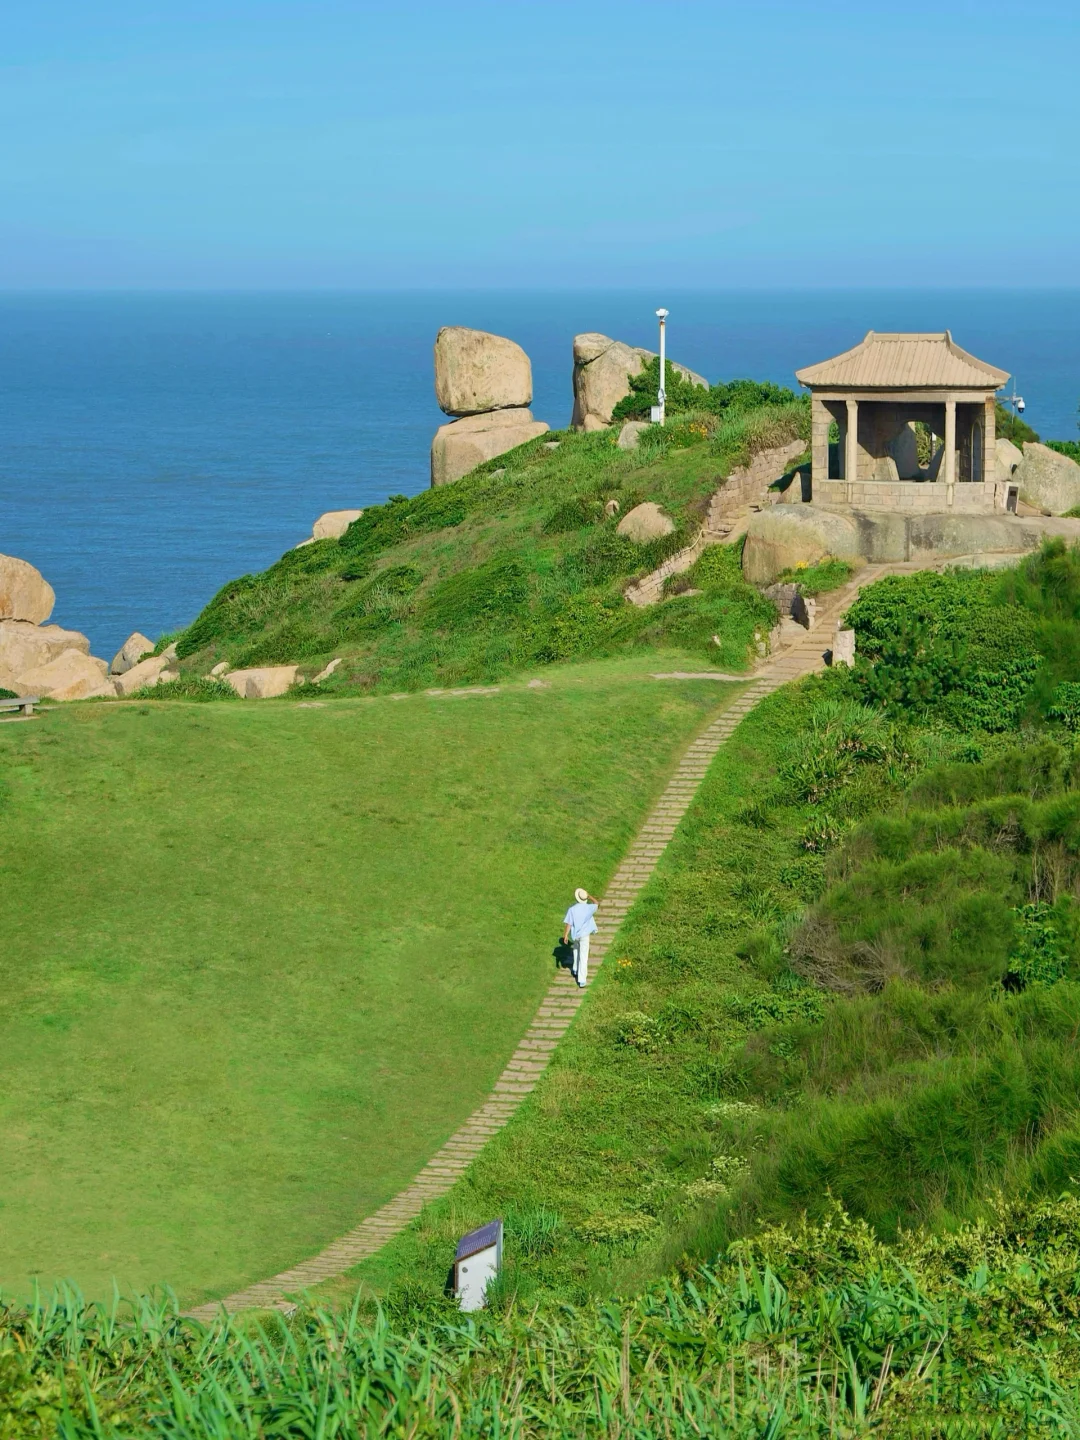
{"points": [[729, 510]]}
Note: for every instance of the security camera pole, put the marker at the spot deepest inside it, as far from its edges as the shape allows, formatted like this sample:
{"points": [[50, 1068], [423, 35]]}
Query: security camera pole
{"points": [[661, 394], [1016, 401]]}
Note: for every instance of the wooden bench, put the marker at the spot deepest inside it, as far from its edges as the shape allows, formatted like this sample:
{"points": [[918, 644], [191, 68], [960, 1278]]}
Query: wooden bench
{"points": [[23, 703]]}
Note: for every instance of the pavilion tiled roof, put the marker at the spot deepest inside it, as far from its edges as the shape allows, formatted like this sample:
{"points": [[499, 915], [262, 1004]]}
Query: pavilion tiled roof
{"points": [[904, 362]]}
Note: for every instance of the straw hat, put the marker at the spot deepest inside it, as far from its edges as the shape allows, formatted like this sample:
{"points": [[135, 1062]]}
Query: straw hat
{"points": [[581, 895]]}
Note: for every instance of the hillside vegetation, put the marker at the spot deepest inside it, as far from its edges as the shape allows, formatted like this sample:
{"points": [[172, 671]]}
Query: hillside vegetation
{"points": [[807, 1162], [516, 564]]}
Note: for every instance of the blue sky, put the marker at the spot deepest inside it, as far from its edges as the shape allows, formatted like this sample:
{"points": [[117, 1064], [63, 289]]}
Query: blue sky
{"points": [[269, 143]]}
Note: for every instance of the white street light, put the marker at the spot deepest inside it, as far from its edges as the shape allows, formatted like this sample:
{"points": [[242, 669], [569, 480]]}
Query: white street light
{"points": [[661, 396]]}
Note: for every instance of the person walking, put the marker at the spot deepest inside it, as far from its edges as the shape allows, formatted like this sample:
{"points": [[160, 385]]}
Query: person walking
{"points": [[578, 925]]}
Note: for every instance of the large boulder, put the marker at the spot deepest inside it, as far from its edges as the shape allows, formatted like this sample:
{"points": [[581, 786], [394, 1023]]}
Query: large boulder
{"points": [[263, 682], [25, 594], [630, 434], [464, 444], [24, 646], [1047, 480], [602, 371], [783, 536], [71, 676], [476, 372], [333, 523], [1009, 456], [146, 673], [134, 648], [646, 522]]}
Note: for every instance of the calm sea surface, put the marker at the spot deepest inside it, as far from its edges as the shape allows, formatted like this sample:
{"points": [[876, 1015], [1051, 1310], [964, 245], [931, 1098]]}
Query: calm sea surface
{"points": [[153, 446]]}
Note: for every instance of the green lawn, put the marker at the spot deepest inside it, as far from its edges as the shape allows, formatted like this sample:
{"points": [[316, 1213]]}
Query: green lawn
{"points": [[260, 960]]}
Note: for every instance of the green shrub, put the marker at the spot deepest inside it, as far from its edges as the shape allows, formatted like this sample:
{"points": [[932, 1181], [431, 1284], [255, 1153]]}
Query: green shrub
{"points": [[1065, 706], [492, 594], [943, 645], [1045, 949], [1008, 426], [819, 579], [187, 687], [574, 514], [383, 595], [8, 695], [1071, 448], [682, 395]]}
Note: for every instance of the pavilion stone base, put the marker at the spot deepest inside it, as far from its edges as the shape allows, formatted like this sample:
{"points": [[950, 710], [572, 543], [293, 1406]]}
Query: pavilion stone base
{"points": [[784, 537], [917, 496]]}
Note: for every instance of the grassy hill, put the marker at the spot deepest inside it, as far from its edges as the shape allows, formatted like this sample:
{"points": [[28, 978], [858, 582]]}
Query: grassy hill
{"points": [[806, 1163], [260, 960], [514, 565]]}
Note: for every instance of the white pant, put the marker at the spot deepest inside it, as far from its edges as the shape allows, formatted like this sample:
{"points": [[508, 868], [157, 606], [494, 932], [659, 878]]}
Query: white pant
{"points": [[581, 960]]}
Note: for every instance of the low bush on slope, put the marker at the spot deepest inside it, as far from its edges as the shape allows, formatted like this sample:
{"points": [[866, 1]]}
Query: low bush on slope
{"points": [[516, 564], [819, 1330]]}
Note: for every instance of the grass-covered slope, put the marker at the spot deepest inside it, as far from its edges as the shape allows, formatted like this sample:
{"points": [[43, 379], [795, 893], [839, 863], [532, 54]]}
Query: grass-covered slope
{"points": [[855, 972], [515, 564], [259, 961]]}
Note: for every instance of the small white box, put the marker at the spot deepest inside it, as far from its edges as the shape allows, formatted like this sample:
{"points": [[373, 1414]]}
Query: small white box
{"points": [[476, 1263], [655, 414]]}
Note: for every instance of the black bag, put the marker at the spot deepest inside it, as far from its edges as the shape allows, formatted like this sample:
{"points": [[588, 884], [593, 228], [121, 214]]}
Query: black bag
{"points": [[564, 955]]}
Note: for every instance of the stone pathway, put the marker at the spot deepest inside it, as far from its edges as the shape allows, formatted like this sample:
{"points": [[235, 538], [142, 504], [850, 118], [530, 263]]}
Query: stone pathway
{"points": [[563, 998]]}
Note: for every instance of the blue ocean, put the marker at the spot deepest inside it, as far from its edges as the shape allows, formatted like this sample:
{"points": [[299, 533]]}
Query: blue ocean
{"points": [[153, 446]]}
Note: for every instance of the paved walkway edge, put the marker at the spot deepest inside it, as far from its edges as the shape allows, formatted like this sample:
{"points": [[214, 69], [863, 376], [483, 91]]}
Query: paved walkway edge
{"points": [[561, 1002]]}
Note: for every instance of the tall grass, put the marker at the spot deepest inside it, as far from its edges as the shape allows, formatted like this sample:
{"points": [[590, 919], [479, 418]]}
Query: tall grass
{"points": [[820, 1330]]}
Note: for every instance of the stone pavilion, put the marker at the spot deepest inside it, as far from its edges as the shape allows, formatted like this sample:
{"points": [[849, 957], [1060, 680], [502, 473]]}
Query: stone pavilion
{"points": [[916, 420]]}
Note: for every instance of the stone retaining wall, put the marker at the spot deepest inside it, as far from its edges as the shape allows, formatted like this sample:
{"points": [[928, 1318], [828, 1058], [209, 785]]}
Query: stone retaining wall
{"points": [[926, 497]]}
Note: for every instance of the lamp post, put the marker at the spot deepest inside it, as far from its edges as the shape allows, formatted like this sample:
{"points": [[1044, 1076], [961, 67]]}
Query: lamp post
{"points": [[661, 394]]}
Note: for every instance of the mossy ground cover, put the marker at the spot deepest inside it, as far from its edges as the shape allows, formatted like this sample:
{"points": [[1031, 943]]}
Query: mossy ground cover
{"points": [[515, 565], [259, 960]]}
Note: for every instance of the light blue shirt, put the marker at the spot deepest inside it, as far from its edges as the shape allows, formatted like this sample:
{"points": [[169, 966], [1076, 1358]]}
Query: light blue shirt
{"points": [[579, 918]]}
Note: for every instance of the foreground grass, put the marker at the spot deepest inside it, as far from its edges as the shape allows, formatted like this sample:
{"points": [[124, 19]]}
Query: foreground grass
{"points": [[259, 960], [814, 1332]]}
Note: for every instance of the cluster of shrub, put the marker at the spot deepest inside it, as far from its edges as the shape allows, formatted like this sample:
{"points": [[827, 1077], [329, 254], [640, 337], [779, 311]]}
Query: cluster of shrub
{"points": [[683, 396]]}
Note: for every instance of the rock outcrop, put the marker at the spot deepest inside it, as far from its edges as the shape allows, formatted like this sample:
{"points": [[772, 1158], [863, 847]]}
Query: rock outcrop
{"points": [[24, 647], [35, 658], [646, 522], [602, 371], [1047, 480], [461, 446], [332, 524], [630, 434], [71, 676], [476, 372], [264, 682], [783, 536], [1008, 458], [487, 381], [25, 594], [135, 648], [146, 673]]}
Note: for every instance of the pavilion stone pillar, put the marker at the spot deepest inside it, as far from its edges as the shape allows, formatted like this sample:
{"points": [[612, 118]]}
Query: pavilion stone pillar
{"points": [[950, 450], [990, 471], [819, 441], [851, 448]]}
